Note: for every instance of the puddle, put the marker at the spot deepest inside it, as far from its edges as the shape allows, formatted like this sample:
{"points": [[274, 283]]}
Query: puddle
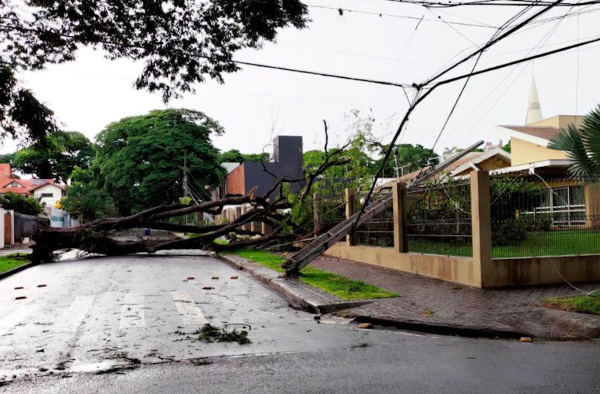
{"points": [[99, 366]]}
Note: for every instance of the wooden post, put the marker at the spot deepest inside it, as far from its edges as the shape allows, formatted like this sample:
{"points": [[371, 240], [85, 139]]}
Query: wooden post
{"points": [[350, 195], [238, 212], [317, 220], [400, 218], [481, 222], [266, 229], [247, 226]]}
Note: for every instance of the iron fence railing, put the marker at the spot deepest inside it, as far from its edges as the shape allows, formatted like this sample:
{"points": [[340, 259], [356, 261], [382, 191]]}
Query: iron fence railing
{"points": [[439, 218], [534, 215]]}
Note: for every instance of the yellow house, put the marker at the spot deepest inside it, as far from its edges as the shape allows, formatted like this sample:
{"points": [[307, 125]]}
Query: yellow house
{"points": [[572, 202]]}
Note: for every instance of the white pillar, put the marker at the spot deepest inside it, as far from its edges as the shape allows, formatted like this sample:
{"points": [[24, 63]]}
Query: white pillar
{"points": [[2, 212]]}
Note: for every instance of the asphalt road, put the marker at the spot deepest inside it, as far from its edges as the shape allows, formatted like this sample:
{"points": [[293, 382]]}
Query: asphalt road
{"points": [[124, 325]]}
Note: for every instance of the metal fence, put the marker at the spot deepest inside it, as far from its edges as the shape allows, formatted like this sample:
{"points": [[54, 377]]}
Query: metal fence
{"points": [[379, 231], [25, 226], [543, 216], [331, 210], [439, 218]]}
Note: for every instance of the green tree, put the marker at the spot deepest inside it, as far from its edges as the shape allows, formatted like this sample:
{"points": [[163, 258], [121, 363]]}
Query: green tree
{"points": [[85, 199], [408, 156], [507, 147], [235, 156], [141, 159], [26, 205], [181, 43], [56, 158], [581, 145]]}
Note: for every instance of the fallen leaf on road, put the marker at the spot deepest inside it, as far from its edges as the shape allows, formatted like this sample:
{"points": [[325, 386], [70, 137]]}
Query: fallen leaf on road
{"points": [[191, 278], [365, 326], [207, 288], [42, 285], [19, 288], [233, 277], [215, 278], [526, 339], [21, 298]]}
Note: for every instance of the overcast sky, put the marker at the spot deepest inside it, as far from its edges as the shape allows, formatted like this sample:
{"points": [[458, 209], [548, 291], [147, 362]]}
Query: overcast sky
{"points": [[92, 92]]}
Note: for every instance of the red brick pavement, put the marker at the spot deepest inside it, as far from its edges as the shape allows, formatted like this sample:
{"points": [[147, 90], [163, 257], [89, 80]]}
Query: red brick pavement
{"points": [[434, 302]]}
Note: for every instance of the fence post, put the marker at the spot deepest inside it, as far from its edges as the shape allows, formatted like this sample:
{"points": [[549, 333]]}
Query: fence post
{"points": [[317, 220], [481, 223], [400, 217], [350, 196]]}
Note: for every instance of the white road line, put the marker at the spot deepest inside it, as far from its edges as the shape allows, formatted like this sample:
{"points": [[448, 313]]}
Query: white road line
{"points": [[74, 315], [11, 320], [132, 312], [190, 313]]}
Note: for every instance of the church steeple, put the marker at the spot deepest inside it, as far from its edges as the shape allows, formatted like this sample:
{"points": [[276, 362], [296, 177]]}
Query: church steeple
{"points": [[534, 110]]}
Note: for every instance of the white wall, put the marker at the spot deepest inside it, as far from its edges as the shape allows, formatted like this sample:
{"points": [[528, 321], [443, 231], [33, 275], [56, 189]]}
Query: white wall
{"points": [[50, 188]]}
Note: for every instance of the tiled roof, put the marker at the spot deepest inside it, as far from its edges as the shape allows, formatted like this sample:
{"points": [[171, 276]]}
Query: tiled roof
{"points": [[544, 132]]}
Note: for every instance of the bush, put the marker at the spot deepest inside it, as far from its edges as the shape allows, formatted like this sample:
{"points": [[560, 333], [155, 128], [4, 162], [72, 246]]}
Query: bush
{"points": [[26, 205]]}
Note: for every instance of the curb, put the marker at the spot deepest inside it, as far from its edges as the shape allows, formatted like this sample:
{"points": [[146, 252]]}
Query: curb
{"points": [[442, 329], [17, 270], [273, 281]]}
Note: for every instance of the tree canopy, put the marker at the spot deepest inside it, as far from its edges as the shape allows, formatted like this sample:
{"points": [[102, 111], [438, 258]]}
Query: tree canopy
{"points": [[140, 160], [235, 156], [56, 158], [85, 199], [26, 205], [180, 43]]}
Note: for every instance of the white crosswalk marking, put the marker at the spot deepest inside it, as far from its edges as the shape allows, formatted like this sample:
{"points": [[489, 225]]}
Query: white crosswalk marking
{"points": [[9, 321], [190, 313], [74, 315], [132, 314]]}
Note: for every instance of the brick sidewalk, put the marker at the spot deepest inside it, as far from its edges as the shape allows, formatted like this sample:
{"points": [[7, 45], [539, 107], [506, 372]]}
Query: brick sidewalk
{"points": [[437, 303]]}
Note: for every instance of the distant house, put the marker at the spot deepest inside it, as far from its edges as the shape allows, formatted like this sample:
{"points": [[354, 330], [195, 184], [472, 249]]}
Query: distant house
{"points": [[46, 190], [287, 163], [490, 160]]}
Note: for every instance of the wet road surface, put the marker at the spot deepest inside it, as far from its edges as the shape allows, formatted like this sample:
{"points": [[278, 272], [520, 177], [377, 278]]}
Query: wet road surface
{"points": [[125, 324]]}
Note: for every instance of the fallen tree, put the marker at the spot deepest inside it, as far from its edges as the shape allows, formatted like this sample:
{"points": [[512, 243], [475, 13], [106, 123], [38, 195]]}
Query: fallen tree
{"points": [[101, 236]]}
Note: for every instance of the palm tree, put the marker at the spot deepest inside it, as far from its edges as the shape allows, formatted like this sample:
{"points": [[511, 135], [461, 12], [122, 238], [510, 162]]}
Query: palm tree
{"points": [[581, 145]]}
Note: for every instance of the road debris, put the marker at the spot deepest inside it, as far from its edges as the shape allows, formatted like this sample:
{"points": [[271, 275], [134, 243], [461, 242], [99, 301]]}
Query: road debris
{"points": [[42, 285], [365, 326], [525, 339], [191, 278], [20, 298], [19, 288], [207, 287], [209, 334], [234, 277]]}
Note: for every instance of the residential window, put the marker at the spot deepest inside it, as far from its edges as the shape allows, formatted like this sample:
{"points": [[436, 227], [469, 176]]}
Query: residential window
{"points": [[566, 205], [50, 195], [14, 184]]}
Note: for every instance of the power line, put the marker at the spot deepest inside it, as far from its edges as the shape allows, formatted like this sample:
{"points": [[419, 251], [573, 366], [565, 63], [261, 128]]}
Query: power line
{"points": [[509, 3], [239, 62], [341, 11]]}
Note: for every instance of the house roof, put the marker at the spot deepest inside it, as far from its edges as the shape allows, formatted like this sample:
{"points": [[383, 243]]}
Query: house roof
{"points": [[483, 156], [544, 132], [27, 186], [459, 165]]}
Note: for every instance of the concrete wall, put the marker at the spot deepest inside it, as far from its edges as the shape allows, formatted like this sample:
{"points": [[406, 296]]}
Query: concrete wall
{"points": [[543, 270], [523, 152], [448, 268]]}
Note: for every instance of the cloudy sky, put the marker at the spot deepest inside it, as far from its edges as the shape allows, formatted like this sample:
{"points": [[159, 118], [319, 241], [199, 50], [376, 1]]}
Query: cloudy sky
{"points": [[255, 104]]}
